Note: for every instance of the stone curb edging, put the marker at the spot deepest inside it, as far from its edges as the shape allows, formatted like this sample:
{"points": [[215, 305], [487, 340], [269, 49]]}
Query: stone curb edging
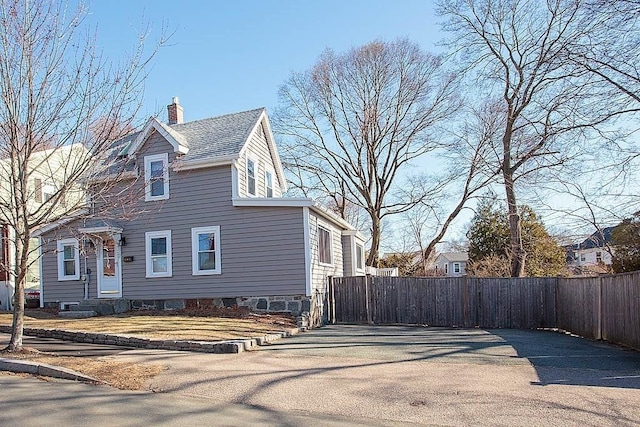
{"points": [[43, 369], [227, 346]]}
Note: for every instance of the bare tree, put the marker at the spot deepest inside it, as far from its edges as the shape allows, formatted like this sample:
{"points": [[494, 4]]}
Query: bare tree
{"points": [[62, 104], [470, 169], [518, 51], [357, 119]]}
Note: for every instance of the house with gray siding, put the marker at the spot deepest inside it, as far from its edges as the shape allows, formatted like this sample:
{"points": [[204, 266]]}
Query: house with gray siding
{"points": [[451, 264], [210, 225]]}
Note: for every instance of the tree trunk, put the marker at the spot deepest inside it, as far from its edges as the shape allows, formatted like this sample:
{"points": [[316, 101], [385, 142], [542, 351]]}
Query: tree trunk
{"points": [[376, 229], [17, 329], [515, 235]]}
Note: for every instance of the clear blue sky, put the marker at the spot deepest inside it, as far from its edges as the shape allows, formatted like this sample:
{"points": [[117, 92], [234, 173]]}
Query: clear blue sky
{"points": [[228, 56]]}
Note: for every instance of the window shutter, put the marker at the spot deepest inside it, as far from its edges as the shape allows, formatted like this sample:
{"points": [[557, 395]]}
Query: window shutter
{"points": [[38, 190]]}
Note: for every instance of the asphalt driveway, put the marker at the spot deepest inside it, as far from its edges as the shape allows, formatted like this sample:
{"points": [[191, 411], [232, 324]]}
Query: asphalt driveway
{"points": [[429, 376]]}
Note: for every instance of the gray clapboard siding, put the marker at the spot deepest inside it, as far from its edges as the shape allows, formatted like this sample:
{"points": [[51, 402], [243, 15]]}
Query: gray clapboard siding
{"points": [[347, 253], [258, 149], [65, 291], [319, 272], [262, 249]]}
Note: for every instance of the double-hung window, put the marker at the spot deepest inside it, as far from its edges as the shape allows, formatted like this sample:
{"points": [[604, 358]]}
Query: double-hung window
{"points": [[324, 245], [456, 267], [268, 184], [252, 167], [68, 260], [359, 257], [158, 253], [205, 250], [156, 177]]}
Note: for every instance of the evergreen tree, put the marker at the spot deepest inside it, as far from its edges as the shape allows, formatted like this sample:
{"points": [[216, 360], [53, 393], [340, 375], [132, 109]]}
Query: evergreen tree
{"points": [[625, 239], [489, 253]]}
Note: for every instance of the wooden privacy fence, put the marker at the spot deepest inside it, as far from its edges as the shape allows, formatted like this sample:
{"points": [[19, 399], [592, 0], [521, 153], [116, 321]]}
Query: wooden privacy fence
{"points": [[606, 307]]}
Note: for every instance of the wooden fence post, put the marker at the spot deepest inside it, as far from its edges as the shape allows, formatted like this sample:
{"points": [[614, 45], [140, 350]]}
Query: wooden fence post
{"points": [[366, 297], [332, 301], [599, 318]]}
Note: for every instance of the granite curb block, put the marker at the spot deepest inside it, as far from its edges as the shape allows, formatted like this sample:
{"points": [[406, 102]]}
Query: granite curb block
{"points": [[43, 369], [227, 346]]}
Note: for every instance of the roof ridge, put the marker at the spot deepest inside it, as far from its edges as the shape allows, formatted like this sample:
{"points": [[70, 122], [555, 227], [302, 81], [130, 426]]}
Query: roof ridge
{"points": [[219, 117]]}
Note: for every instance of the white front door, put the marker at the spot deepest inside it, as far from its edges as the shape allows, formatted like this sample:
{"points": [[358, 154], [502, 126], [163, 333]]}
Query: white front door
{"points": [[109, 271]]}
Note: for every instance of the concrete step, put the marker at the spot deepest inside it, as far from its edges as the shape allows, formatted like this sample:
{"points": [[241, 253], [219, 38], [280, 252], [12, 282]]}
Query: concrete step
{"points": [[77, 314]]}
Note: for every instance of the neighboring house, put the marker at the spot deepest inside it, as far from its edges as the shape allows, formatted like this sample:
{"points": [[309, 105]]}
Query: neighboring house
{"points": [[212, 225], [452, 264], [45, 178], [592, 255]]}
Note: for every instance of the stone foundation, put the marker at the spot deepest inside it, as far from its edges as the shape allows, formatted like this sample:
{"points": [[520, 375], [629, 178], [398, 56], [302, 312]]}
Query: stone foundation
{"points": [[309, 310], [295, 305]]}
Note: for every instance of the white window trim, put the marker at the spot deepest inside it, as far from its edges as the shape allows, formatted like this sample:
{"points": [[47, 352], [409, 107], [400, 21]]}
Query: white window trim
{"points": [[52, 187], [459, 268], [194, 250], [255, 176], [60, 251], [269, 171], [164, 157], [324, 227], [359, 247], [147, 246]]}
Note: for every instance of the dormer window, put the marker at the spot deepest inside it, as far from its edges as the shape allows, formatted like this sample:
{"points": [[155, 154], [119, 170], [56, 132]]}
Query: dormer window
{"points": [[252, 165], [156, 177]]}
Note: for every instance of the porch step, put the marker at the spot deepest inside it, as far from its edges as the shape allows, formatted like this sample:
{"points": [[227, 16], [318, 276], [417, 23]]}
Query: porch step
{"points": [[77, 314]]}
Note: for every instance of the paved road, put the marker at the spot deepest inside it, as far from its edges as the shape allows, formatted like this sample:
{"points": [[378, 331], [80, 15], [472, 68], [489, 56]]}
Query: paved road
{"points": [[342, 375], [418, 375], [26, 401]]}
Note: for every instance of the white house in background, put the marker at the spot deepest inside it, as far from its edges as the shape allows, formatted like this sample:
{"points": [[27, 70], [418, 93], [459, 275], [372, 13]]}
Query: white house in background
{"points": [[592, 254], [451, 264], [50, 168]]}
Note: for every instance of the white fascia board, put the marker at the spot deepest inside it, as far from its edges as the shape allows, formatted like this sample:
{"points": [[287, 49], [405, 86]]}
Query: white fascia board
{"points": [[276, 157], [176, 140], [56, 224], [115, 177], [205, 163], [273, 201], [326, 214], [358, 235], [99, 230]]}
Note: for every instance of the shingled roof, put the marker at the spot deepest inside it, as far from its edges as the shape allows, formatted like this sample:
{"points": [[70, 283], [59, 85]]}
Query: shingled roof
{"points": [[217, 136], [206, 139]]}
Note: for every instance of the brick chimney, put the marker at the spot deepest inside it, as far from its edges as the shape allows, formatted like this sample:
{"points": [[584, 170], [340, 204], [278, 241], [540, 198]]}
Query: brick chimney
{"points": [[176, 115]]}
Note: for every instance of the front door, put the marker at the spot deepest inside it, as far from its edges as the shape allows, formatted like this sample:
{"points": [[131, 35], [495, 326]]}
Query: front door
{"points": [[109, 271]]}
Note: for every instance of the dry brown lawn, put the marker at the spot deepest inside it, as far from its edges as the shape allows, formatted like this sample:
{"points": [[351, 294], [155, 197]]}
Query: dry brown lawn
{"points": [[165, 327], [125, 376], [129, 376]]}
